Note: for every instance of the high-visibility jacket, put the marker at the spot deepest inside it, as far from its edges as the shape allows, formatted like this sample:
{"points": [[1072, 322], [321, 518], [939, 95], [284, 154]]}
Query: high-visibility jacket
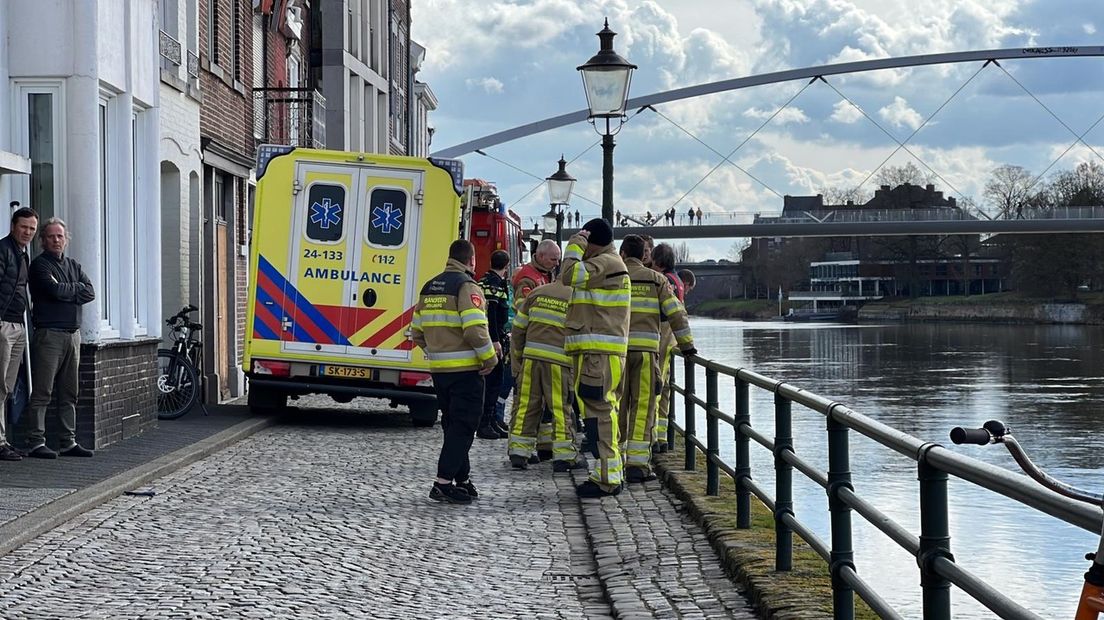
{"points": [[450, 325], [539, 327], [653, 301], [526, 279], [598, 315]]}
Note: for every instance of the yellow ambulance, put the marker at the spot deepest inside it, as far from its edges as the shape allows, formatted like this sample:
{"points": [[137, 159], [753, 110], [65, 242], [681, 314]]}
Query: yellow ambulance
{"points": [[342, 243]]}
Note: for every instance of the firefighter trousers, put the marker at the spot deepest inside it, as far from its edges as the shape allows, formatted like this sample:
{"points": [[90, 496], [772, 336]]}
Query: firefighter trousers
{"points": [[598, 394], [638, 409], [460, 398], [543, 386], [664, 405]]}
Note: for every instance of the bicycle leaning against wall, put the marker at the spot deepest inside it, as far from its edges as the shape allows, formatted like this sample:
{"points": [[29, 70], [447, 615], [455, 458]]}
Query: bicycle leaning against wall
{"points": [[178, 368], [1091, 602]]}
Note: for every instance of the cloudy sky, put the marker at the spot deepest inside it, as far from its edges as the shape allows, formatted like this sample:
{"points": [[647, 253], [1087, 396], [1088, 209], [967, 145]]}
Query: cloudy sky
{"points": [[496, 64]]}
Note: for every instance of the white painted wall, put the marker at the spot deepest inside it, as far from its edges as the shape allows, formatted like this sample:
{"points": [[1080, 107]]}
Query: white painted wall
{"points": [[99, 46]]}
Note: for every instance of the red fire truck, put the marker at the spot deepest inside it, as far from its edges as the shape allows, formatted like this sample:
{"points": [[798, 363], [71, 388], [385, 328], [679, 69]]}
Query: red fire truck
{"points": [[491, 226]]}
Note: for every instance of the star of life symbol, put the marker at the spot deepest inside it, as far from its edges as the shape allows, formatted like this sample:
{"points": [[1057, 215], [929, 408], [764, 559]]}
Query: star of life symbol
{"points": [[325, 214], [387, 218]]}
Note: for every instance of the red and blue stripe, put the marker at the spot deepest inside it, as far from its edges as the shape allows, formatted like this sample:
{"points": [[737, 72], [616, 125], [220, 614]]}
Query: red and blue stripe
{"points": [[277, 298]]}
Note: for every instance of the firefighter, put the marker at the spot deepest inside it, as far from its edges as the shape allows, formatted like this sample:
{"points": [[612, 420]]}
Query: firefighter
{"points": [[597, 339], [539, 271], [653, 301], [663, 261], [449, 324], [497, 294], [544, 378]]}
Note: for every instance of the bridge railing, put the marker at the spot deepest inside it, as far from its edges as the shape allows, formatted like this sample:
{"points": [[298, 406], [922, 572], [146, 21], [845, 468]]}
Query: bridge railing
{"points": [[936, 566]]}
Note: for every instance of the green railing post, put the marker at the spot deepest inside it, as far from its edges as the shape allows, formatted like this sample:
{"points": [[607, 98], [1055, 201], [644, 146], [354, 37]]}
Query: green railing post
{"points": [[713, 435], [843, 554], [690, 424], [935, 537], [743, 456], [783, 483], [671, 402]]}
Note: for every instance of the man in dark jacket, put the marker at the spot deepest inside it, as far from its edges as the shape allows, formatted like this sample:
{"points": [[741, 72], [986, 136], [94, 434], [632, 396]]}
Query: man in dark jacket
{"points": [[495, 290], [14, 267], [58, 289]]}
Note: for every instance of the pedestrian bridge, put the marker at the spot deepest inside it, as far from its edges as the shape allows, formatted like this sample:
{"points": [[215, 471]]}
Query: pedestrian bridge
{"points": [[874, 222]]}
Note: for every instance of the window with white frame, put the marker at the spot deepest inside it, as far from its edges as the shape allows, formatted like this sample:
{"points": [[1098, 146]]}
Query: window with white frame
{"points": [[105, 285], [139, 149], [37, 121]]}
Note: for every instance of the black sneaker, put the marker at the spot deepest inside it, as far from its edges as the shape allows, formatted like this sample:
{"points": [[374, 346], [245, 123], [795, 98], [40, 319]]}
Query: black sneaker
{"points": [[449, 493], [519, 462], [469, 487], [42, 452], [590, 488], [636, 474], [565, 466], [503, 432], [534, 459], [7, 453], [486, 432], [78, 450]]}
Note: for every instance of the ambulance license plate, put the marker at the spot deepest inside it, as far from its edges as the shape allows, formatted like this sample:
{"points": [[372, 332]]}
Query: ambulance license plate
{"points": [[349, 372]]}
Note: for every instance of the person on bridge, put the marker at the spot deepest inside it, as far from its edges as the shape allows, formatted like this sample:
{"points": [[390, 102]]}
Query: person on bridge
{"points": [[597, 339], [497, 295], [544, 379], [690, 216], [538, 272], [663, 261], [450, 326], [653, 302], [699, 216]]}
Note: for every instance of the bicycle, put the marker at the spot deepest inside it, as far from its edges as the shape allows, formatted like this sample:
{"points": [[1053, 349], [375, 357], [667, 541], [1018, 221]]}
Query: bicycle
{"points": [[1091, 602], [178, 381]]}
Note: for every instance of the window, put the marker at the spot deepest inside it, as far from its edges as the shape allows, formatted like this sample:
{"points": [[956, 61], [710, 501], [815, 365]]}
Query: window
{"points": [[219, 196], [103, 294], [387, 217], [212, 32], [141, 196], [325, 212], [235, 38], [40, 140]]}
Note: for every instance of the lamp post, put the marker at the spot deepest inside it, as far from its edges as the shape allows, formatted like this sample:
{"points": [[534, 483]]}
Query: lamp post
{"points": [[560, 185], [606, 79]]}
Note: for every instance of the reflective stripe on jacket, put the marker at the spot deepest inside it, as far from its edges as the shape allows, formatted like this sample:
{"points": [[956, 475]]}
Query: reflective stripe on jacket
{"points": [[653, 303], [598, 315], [449, 323], [539, 326]]}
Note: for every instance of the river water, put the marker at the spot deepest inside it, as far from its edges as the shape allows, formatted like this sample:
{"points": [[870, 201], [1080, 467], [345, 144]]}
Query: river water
{"points": [[1045, 382]]}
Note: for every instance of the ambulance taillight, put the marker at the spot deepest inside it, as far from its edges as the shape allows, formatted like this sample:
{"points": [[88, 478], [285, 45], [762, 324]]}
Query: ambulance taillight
{"points": [[415, 379], [269, 367]]}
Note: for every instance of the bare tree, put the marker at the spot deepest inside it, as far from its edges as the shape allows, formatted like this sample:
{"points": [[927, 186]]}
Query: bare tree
{"points": [[836, 195], [899, 175], [1081, 187], [1010, 191], [682, 253]]}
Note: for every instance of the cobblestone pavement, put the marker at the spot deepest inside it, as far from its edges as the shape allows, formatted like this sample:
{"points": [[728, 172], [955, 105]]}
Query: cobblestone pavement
{"points": [[328, 516]]}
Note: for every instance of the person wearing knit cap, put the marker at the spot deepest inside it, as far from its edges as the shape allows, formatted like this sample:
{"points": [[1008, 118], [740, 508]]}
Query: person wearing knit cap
{"points": [[597, 339]]}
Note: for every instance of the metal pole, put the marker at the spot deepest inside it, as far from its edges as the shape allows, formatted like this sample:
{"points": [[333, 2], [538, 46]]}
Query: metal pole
{"points": [[783, 483], [743, 456], [690, 424], [559, 226], [842, 555], [713, 435], [607, 176], [935, 537]]}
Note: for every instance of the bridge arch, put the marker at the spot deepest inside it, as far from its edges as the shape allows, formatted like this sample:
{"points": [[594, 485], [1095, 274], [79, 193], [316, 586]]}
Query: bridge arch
{"points": [[699, 90]]}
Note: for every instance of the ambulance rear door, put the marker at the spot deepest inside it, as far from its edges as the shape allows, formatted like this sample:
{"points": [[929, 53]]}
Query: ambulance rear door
{"points": [[386, 261], [318, 282]]}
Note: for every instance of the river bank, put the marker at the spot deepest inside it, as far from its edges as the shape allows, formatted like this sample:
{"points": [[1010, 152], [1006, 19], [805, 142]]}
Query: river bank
{"points": [[1008, 307]]}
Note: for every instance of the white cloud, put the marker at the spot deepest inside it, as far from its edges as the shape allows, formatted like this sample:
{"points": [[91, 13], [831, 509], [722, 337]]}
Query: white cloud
{"points": [[490, 85], [1089, 28], [844, 112], [786, 116], [899, 114]]}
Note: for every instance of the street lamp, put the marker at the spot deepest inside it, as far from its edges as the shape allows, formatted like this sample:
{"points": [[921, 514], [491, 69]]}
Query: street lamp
{"points": [[560, 185], [606, 79]]}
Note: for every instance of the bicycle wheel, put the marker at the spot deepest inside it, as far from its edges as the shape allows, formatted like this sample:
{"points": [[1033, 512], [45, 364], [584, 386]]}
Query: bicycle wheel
{"points": [[177, 385]]}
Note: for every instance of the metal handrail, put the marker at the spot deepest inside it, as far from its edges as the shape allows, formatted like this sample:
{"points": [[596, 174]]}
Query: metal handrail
{"points": [[934, 464]]}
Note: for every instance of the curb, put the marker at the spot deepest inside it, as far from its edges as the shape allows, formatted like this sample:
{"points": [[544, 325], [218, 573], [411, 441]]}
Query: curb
{"points": [[26, 527]]}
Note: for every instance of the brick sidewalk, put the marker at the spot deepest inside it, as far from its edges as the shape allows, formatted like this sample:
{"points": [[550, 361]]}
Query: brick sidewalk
{"points": [[32, 483]]}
